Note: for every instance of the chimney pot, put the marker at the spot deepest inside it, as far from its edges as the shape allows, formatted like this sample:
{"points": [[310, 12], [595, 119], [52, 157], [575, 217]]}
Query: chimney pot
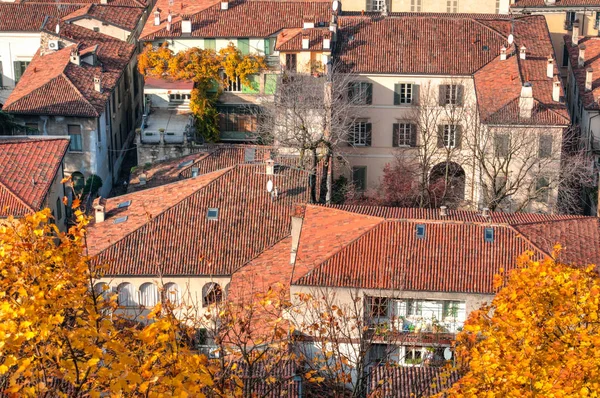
{"points": [[224, 4], [581, 58], [526, 101], [575, 34], [550, 68], [305, 41], [333, 28], [297, 220], [270, 167], [99, 206], [186, 24], [503, 53], [97, 84], [443, 211], [308, 22], [103, 1], [589, 78], [523, 52], [485, 212], [556, 90], [156, 18]]}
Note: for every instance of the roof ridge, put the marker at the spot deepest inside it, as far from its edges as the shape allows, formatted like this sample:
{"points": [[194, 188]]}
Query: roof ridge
{"points": [[78, 91], [524, 237], [550, 109], [548, 221], [55, 170], [2, 185], [9, 103]]}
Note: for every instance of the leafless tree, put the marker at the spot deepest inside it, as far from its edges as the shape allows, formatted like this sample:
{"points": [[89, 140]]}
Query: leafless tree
{"points": [[311, 115]]}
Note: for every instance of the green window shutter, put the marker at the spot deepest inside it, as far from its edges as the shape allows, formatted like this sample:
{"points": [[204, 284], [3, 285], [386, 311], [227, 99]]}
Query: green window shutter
{"points": [[270, 83], [254, 85], [214, 86], [17, 70], [397, 94], [210, 44], [267, 46], [369, 93], [395, 130], [244, 46]]}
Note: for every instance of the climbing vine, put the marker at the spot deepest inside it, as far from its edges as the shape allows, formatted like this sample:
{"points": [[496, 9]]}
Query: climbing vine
{"points": [[209, 70]]}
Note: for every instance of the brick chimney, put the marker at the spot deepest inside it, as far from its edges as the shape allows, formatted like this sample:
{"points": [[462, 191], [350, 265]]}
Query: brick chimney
{"points": [[296, 228], [581, 58], [550, 67], [526, 101], [503, 53], [523, 52], [589, 78], [224, 5], [99, 206], [575, 34], [556, 90]]}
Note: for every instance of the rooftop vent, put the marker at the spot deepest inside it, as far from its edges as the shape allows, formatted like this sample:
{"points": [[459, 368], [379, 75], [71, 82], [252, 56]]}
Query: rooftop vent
{"points": [[156, 18], [195, 171], [270, 167], [120, 220], [443, 211], [124, 204], [212, 213], [224, 4], [420, 231], [589, 79], [485, 212], [523, 52], [489, 235], [556, 90], [186, 24]]}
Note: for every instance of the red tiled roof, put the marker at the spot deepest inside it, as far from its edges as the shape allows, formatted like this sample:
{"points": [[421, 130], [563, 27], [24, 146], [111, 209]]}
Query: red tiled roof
{"points": [[452, 257], [112, 3], [459, 45], [162, 172], [182, 241], [291, 39], [592, 60], [28, 167], [244, 18], [18, 17], [410, 381], [122, 17], [557, 4], [52, 85]]}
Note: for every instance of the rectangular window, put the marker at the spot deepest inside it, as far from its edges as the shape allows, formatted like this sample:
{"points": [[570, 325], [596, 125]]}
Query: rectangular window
{"points": [[237, 119], [58, 209], [542, 188], [413, 355], [375, 5], [210, 44], [290, 62], [378, 307], [244, 46], [420, 231], [20, 67], [212, 213], [449, 136], [452, 6], [233, 85], [360, 93], [489, 235], [75, 133], [451, 94], [361, 133], [414, 308], [565, 59], [415, 5], [404, 135], [378, 354], [501, 145], [359, 177], [597, 20], [570, 17], [545, 146], [450, 309], [497, 6], [403, 93]]}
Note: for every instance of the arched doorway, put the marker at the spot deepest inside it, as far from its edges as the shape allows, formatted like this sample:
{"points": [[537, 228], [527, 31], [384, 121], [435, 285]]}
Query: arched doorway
{"points": [[447, 184]]}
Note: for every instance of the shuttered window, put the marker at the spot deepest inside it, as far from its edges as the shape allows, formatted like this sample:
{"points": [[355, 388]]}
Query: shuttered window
{"points": [[75, 134], [359, 177], [360, 93], [20, 67], [404, 135], [545, 146], [405, 93], [361, 133], [449, 136], [244, 46], [451, 94], [210, 44]]}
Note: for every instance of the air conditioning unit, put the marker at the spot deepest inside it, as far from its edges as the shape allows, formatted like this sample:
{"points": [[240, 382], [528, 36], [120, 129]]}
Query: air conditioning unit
{"points": [[53, 44]]}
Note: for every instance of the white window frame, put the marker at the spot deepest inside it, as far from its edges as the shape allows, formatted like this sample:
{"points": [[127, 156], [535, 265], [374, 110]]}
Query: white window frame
{"points": [[359, 96], [405, 131], [450, 136], [377, 5], [359, 136], [415, 5], [407, 90], [452, 6], [452, 94]]}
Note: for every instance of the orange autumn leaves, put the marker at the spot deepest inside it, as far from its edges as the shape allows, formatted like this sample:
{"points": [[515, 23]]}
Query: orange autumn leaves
{"points": [[539, 337]]}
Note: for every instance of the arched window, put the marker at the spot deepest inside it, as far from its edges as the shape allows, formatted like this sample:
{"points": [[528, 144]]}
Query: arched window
{"points": [[102, 289], [172, 293], [211, 294], [149, 295], [128, 295]]}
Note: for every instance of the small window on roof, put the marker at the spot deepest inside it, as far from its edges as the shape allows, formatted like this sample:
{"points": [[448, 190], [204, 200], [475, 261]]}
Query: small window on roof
{"points": [[124, 204], [195, 171], [249, 154], [420, 231], [120, 220], [186, 163], [212, 213], [489, 235]]}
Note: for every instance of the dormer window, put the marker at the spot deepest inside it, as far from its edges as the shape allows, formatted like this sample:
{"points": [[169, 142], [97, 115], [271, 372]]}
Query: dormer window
{"points": [[489, 235], [420, 231]]}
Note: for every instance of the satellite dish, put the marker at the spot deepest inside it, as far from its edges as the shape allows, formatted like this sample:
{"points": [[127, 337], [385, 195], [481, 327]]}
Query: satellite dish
{"points": [[269, 186], [335, 5], [447, 354], [511, 39]]}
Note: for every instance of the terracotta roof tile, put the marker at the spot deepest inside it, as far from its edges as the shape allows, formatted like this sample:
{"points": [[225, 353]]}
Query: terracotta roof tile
{"points": [[240, 20], [30, 17], [557, 4], [410, 381], [28, 166], [293, 39], [111, 3], [123, 17], [183, 241], [52, 85]]}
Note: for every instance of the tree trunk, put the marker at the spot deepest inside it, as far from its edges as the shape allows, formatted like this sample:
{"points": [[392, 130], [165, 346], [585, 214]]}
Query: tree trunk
{"points": [[313, 176]]}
